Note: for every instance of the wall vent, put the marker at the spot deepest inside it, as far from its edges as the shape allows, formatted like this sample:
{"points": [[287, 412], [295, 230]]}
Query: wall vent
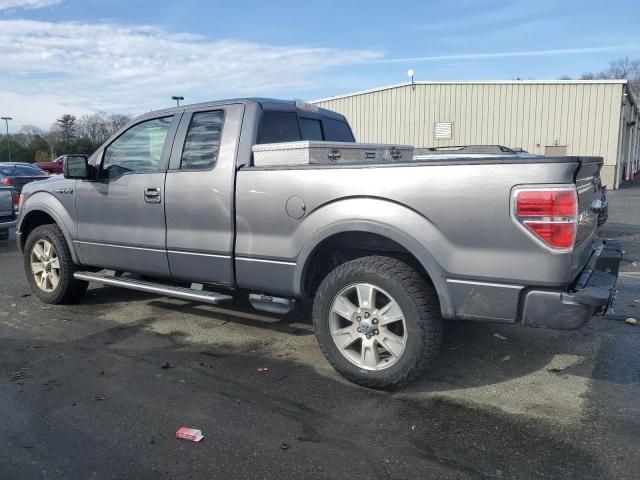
{"points": [[444, 130]]}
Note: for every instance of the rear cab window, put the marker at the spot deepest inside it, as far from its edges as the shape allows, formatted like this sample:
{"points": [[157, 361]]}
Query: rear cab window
{"points": [[292, 126], [311, 129], [337, 130], [277, 126]]}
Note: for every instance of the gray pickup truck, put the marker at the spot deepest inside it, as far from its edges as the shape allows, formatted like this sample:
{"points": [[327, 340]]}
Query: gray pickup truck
{"points": [[7, 211], [175, 204]]}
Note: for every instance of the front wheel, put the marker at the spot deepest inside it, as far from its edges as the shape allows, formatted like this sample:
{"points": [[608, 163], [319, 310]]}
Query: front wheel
{"points": [[377, 321], [50, 268]]}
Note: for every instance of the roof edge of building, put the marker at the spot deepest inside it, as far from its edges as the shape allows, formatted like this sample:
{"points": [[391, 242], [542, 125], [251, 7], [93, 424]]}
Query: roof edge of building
{"points": [[469, 82]]}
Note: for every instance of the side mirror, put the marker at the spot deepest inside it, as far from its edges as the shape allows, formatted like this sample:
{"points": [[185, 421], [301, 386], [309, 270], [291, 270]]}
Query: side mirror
{"points": [[75, 166]]}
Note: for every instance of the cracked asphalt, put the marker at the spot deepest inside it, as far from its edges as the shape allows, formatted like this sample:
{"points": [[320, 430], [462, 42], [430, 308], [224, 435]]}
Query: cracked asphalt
{"points": [[83, 392]]}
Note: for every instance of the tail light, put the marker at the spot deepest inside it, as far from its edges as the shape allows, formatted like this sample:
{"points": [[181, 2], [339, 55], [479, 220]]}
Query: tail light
{"points": [[15, 198], [548, 215], [7, 182]]}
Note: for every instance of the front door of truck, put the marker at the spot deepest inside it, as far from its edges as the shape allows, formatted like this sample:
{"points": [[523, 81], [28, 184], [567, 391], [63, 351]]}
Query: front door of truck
{"points": [[199, 194], [121, 221]]}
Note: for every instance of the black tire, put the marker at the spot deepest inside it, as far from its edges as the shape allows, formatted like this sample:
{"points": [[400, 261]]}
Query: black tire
{"points": [[68, 289], [418, 302], [4, 234]]}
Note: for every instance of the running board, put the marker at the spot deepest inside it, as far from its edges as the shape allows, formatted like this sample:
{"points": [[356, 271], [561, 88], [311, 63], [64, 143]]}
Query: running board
{"points": [[107, 277]]}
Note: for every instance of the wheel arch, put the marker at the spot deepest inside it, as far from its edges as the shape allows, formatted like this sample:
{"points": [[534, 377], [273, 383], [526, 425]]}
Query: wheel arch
{"points": [[366, 237], [42, 209]]}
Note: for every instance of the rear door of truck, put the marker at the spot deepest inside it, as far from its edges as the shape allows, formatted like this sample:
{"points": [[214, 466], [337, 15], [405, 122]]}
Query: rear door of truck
{"points": [[589, 187], [200, 194]]}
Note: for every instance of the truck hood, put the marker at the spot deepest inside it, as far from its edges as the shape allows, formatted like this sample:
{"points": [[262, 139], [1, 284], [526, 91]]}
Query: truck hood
{"points": [[48, 185]]}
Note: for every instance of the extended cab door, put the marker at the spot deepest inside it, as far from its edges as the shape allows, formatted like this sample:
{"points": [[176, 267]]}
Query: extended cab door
{"points": [[199, 195], [121, 223]]}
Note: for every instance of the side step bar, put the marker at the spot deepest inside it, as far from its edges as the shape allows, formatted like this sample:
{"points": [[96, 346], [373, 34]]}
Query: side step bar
{"points": [[107, 278]]}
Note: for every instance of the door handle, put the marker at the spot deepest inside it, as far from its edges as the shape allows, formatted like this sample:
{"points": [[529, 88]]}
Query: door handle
{"points": [[152, 195]]}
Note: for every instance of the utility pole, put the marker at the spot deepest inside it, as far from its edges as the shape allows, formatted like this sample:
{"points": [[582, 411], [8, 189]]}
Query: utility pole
{"points": [[6, 121], [177, 99]]}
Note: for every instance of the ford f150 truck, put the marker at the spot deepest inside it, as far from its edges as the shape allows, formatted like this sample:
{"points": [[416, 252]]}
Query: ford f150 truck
{"points": [[190, 202]]}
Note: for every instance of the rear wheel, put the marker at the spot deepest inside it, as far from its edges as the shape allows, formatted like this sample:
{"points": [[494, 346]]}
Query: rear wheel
{"points": [[50, 268], [377, 321]]}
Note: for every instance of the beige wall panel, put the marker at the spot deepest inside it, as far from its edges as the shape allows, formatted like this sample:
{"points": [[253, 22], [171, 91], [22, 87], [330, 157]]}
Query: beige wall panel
{"points": [[583, 116]]}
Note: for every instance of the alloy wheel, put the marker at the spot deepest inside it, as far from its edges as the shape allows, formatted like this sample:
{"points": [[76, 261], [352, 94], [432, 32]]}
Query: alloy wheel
{"points": [[368, 326], [45, 265]]}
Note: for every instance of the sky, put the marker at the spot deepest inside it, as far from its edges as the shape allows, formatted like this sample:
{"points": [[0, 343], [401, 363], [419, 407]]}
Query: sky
{"points": [[131, 56]]}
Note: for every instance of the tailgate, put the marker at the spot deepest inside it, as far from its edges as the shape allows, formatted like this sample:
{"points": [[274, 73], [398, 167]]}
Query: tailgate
{"points": [[589, 187], [6, 205], [589, 196]]}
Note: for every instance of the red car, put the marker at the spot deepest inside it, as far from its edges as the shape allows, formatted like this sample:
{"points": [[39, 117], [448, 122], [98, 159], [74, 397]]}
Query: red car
{"points": [[54, 167]]}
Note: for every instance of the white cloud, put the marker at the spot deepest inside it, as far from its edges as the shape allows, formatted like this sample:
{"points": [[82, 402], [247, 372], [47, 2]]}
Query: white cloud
{"points": [[38, 109], [526, 53], [26, 4], [136, 68]]}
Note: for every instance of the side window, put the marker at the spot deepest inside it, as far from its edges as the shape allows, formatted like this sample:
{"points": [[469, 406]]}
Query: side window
{"points": [[278, 126], [203, 141], [139, 149], [311, 129]]}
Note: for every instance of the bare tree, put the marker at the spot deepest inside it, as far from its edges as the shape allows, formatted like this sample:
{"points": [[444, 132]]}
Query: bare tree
{"points": [[94, 127], [117, 121], [98, 127], [31, 132], [589, 76], [623, 69]]}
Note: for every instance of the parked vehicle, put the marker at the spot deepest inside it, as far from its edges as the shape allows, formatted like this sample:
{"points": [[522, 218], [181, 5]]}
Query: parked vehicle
{"points": [[17, 174], [386, 246], [8, 210], [55, 167]]}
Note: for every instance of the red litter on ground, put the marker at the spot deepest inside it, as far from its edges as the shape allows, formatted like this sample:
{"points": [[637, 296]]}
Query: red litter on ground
{"points": [[263, 370], [190, 434]]}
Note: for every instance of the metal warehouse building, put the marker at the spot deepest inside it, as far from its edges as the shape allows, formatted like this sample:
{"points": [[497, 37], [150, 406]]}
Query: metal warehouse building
{"points": [[553, 117]]}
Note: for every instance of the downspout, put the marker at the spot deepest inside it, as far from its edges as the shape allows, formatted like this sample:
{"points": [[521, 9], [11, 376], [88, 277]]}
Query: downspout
{"points": [[621, 125]]}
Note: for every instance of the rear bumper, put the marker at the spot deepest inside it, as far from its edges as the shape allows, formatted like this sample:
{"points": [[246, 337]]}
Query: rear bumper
{"points": [[7, 224], [591, 294]]}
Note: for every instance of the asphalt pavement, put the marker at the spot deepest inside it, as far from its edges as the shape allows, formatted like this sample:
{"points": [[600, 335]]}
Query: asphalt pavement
{"points": [[97, 390]]}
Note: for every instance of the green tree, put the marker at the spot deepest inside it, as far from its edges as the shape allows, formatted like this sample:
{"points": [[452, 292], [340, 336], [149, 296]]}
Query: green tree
{"points": [[18, 152], [38, 149], [65, 128]]}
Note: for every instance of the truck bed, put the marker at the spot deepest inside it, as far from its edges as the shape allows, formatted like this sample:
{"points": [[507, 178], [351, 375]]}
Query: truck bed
{"points": [[459, 209]]}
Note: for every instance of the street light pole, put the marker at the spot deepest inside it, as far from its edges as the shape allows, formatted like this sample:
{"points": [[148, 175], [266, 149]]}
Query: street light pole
{"points": [[6, 121], [177, 99]]}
